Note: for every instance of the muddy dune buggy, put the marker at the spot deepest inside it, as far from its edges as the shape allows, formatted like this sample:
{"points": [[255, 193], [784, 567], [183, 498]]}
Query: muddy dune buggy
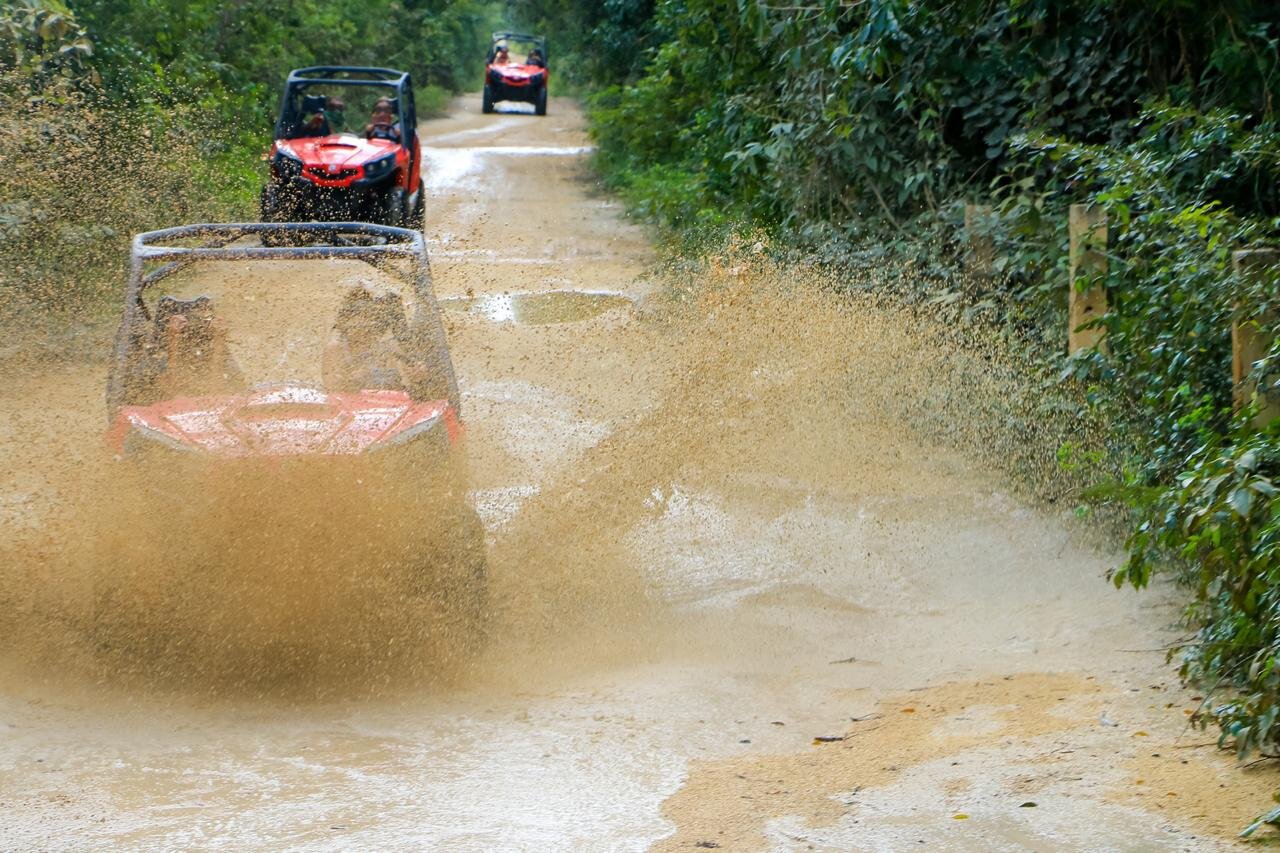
{"points": [[346, 149], [315, 369], [516, 70]]}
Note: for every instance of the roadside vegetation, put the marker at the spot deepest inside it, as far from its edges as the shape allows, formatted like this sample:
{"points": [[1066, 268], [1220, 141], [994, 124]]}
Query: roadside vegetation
{"points": [[858, 131]]}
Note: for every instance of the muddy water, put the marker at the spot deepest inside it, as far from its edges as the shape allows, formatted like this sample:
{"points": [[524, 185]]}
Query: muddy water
{"points": [[712, 539], [562, 306]]}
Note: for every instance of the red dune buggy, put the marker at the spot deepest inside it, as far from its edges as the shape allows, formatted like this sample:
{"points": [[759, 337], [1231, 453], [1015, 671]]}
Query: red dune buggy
{"points": [[346, 149], [307, 371], [508, 78]]}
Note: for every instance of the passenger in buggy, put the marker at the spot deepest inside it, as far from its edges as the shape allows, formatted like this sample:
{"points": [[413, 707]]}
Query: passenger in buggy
{"points": [[383, 125], [321, 115], [366, 350], [194, 356]]}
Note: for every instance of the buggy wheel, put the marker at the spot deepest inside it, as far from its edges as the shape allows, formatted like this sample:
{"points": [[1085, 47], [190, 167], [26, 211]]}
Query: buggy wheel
{"points": [[453, 574], [486, 105], [271, 209], [540, 106], [473, 598], [269, 204], [417, 220], [393, 207]]}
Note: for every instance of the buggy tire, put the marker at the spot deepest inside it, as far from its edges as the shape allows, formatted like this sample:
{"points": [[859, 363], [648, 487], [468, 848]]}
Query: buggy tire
{"points": [[454, 573], [474, 576], [418, 216], [271, 209], [394, 210], [540, 105], [269, 204], [486, 105]]}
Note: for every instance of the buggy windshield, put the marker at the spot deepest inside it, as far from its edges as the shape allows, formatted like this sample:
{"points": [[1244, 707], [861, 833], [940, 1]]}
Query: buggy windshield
{"points": [[334, 325], [324, 109], [523, 49], [228, 325]]}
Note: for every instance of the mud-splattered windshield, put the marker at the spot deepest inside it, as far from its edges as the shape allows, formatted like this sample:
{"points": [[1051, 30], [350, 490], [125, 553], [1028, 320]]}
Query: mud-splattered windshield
{"points": [[323, 109], [338, 325], [519, 51]]}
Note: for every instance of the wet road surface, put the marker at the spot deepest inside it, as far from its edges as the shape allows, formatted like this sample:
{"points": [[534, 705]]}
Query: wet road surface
{"points": [[703, 559]]}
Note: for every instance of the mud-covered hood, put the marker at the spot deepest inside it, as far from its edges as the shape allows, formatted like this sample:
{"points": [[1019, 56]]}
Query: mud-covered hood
{"points": [[337, 152], [283, 421]]}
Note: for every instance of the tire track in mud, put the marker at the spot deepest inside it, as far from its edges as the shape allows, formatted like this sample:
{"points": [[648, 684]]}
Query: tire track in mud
{"points": [[713, 537]]}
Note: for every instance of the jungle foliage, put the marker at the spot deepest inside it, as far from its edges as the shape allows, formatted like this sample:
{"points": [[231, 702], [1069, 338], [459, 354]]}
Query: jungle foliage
{"points": [[858, 131]]}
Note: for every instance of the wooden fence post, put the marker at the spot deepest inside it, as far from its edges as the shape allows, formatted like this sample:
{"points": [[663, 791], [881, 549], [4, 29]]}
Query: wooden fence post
{"points": [[1087, 226], [982, 244], [1250, 339]]}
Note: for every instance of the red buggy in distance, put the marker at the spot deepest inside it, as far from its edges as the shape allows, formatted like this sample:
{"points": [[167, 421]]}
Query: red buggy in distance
{"points": [[346, 149], [297, 358], [516, 80]]}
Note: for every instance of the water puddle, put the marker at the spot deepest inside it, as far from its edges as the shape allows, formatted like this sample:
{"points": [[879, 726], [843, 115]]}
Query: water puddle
{"points": [[491, 127], [535, 150], [458, 167], [536, 309]]}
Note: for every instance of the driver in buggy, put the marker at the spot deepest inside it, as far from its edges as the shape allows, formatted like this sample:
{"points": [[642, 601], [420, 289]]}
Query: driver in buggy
{"points": [[383, 125], [369, 349], [535, 58], [195, 356]]}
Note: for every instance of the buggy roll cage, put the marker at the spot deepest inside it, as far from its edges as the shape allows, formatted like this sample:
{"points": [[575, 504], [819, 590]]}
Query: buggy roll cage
{"points": [[350, 75], [156, 255], [540, 41]]}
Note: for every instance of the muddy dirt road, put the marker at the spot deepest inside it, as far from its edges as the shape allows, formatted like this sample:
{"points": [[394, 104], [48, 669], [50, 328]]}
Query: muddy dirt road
{"points": [[736, 604]]}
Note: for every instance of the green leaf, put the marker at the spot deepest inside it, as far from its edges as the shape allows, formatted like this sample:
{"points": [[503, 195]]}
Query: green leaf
{"points": [[1241, 501], [1272, 817]]}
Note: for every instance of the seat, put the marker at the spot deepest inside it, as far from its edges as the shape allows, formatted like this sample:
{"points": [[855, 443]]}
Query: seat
{"points": [[313, 104], [318, 124], [193, 345]]}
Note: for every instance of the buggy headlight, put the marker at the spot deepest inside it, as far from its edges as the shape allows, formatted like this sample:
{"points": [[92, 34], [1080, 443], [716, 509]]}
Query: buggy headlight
{"points": [[286, 164], [428, 437], [142, 438], [433, 427], [380, 167]]}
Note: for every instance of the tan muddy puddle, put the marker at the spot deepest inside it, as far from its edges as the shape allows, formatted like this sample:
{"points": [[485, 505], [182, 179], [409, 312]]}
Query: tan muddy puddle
{"points": [[563, 306], [713, 538]]}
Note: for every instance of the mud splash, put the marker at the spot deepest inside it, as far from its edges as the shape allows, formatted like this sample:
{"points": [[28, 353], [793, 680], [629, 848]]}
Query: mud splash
{"points": [[747, 385]]}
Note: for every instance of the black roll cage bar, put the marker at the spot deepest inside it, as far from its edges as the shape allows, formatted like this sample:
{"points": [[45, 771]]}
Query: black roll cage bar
{"points": [[540, 41], [320, 75], [312, 241]]}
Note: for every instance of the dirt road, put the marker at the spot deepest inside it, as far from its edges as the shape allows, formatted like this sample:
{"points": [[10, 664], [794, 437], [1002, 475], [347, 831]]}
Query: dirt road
{"points": [[737, 605]]}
